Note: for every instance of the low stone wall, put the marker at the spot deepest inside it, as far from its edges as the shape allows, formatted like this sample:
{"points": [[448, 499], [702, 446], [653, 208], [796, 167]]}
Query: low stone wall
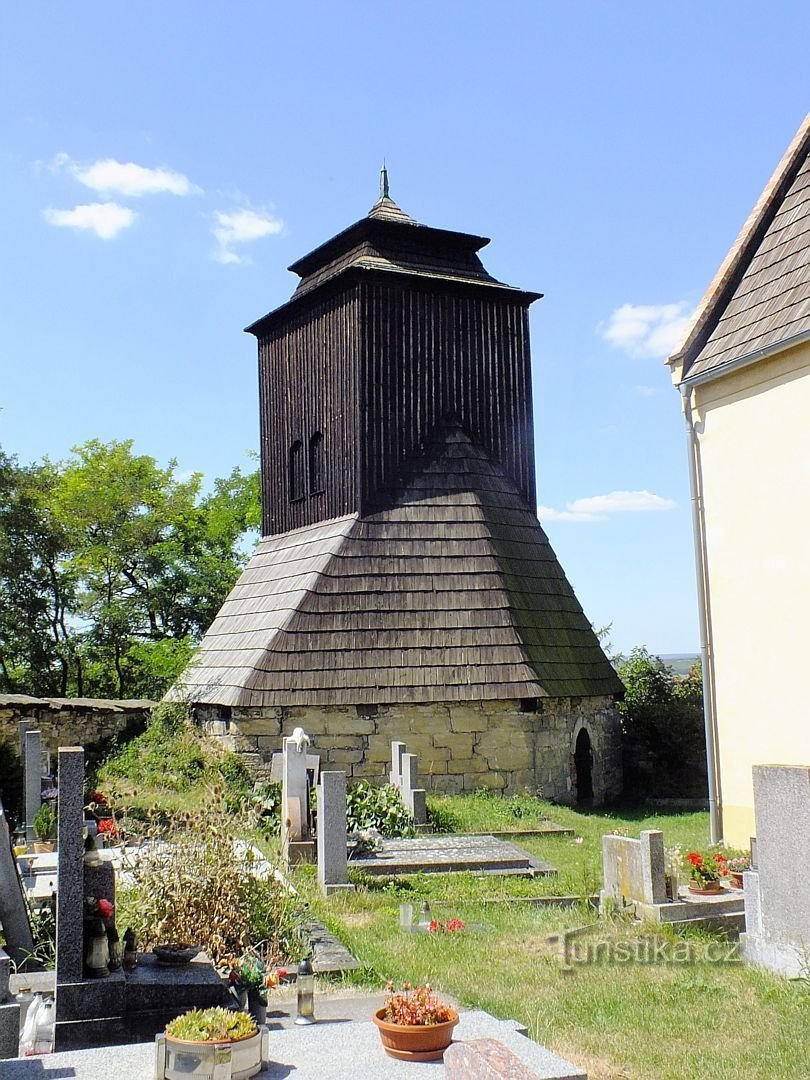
{"points": [[508, 746], [88, 722]]}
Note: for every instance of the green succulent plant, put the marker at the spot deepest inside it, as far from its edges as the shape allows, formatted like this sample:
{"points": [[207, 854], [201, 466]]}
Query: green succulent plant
{"points": [[211, 1025]]}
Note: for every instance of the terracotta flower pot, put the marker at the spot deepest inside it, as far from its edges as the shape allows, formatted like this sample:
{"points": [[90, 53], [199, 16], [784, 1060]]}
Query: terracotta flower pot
{"points": [[424, 1042], [42, 847], [711, 888], [736, 878]]}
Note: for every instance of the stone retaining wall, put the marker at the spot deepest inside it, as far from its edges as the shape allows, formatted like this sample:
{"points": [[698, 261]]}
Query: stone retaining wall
{"points": [[507, 746], [87, 722]]}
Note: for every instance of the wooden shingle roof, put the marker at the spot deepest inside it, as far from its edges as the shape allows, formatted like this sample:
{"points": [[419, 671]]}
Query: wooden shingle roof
{"points": [[760, 297], [453, 593]]}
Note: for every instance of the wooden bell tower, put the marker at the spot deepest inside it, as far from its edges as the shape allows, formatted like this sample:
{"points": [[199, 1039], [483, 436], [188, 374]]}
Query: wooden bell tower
{"points": [[395, 332]]}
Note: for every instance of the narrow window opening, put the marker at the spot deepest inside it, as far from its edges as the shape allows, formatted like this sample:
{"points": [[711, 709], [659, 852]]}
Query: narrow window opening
{"points": [[296, 469], [316, 464]]}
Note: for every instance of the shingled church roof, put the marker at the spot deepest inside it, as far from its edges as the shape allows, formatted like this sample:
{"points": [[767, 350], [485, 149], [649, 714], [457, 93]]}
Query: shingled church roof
{"points": [[452, 592], [760, 297]]}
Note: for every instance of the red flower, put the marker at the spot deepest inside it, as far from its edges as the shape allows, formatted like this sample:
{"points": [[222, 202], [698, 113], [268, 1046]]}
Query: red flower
{"points": [[107, 825], [694, 859], [105, 909]]}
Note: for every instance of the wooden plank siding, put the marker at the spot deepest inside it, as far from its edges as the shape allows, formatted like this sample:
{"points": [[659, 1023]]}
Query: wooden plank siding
{"points": [[308, 383], [438, 354]]}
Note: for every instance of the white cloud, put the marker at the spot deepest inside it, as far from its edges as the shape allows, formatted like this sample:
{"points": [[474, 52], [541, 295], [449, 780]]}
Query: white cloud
{"points": [[648, 330], [237, 227], [104, 219], [108, 176], [599, 507]]}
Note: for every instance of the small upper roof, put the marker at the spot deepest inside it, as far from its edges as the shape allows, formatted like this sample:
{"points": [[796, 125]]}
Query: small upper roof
{"points": [[389, 240], [760, 296], [385, 209]]}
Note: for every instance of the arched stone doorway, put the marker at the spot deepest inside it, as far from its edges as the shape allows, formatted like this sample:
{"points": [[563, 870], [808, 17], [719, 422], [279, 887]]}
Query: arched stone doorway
{"points": [[583, 768]]}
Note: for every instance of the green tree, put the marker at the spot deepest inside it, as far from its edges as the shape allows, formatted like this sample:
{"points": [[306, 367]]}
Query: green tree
{"points": [[114, 567], [662, 721], [37, 646]]}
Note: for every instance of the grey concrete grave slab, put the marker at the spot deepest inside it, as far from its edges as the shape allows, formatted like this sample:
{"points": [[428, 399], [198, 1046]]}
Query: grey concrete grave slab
{"points": [[330, 1050], [450, 854]]}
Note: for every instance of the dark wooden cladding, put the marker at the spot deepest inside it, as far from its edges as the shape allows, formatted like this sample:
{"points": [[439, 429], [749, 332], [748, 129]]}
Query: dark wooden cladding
{"points": [[436, 355], [308, 384], [380, 367], [396, 395]]}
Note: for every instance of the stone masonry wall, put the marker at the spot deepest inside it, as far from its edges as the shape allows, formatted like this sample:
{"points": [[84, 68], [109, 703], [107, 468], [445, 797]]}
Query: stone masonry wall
{"points": [[508, 746], [87, 722]]}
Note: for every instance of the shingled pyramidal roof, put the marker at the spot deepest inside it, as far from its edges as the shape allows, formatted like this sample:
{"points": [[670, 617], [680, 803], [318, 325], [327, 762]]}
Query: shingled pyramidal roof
{"points": [[759, 299], [443, 588]]}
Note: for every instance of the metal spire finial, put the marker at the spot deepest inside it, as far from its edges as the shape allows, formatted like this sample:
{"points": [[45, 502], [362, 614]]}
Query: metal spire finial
{"points": [[384, 194]]}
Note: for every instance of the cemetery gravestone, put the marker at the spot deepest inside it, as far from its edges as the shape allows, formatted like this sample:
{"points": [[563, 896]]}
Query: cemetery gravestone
{"points": [[777, 898], [70, 847], [332, 872], [397, 752], [13, 911], [297, 844], [23, 726], [32, 765], [634, 869], [412, 795], [9, 1012]]}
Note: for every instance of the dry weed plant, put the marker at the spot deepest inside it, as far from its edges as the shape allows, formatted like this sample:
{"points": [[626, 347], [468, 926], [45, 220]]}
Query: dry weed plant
{"points": [[194, 884]]}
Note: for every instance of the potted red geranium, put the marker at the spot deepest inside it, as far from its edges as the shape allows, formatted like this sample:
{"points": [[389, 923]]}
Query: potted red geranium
{"points": [[706, 873], [414, 1025]]}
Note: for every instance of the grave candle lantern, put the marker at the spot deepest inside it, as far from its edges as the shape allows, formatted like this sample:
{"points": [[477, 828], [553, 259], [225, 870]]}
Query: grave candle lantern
{"points": [[97, 956], [305, 986]]}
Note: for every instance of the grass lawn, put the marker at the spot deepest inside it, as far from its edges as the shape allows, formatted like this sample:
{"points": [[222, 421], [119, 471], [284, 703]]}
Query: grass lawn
{"points": [[646, 1021]]}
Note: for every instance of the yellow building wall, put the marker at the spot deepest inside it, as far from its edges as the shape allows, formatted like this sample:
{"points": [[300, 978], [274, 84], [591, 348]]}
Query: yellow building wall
{"points": [[754, 435]]}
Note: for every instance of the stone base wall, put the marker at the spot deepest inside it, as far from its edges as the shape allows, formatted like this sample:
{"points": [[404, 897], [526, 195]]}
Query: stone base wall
{"points": [[88, 722], [508, 746]]}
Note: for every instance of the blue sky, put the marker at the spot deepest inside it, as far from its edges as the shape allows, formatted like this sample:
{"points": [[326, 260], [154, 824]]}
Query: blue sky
{"points": [[162, 163]]}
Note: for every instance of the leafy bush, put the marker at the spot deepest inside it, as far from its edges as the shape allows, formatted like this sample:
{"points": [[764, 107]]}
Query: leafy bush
{"points": [[381, 808], [171, 755], [266, 803], [662, 723], [45, 823], [367, 807], [193, 882]]}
